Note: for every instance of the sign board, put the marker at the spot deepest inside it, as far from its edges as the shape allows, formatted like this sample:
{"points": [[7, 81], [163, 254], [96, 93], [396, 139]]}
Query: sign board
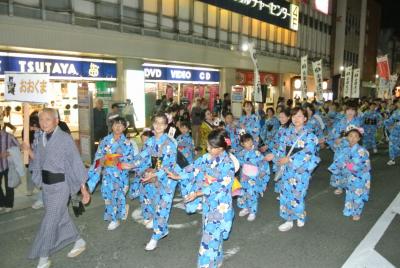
{"points": [[57, 66], [178, 74], [317, 70], [347, 81], [382, 67], [26, 87], [355, 92], [237, 94], [277, 12], [304, 73]]}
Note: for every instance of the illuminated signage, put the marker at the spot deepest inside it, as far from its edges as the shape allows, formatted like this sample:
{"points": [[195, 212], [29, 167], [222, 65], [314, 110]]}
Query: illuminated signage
{"points": [[57, 66], [278, 12], [322, 6], [183, 74]]}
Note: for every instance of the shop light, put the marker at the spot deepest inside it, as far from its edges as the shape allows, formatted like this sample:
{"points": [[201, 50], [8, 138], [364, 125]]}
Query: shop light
{"points": [[324, 85], [245, 47], [341, 68], [297, 84], [178, 67]]}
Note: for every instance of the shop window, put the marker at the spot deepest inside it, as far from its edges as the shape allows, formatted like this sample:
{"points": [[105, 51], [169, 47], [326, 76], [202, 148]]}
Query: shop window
{"points": [[235, 22], [255, 25], [272, 33], [293, 39], [168, 8], [245, 25], [279, 35], [198, 12], [131, 3], [85, 7], [212, 16], [34, 3], [263, 31], [150, 6], [224, 19], [184, 9], [286, 37]]}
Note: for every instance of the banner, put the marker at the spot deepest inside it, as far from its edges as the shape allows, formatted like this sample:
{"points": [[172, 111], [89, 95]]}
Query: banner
{"points": [[347, 82], [27, 87], [355, 92], [257, 82], [317, 70], [383, 88], [392, 83], [382, 67], [304, 72]]}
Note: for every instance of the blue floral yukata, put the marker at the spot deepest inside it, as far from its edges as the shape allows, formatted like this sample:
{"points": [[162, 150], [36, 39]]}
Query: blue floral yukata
{"points": [[156, 198], [251, 126], [186, 146], [393, 124], [254, 177], [279, 136], [354, 167], [371, 121], [269, 130], [297, 172], [233, 135], [115, 181], [214, 178]]}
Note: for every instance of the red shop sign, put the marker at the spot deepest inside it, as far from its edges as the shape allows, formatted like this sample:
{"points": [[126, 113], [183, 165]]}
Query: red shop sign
{"points": [[244, 77]]}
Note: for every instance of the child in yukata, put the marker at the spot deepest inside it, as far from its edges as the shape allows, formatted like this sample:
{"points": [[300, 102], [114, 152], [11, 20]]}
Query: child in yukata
{"points": [[354, 166], [113, 150], [254, 177]]}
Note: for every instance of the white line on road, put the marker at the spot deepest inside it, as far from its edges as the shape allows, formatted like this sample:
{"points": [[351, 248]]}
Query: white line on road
{"points": [[365, 255]]}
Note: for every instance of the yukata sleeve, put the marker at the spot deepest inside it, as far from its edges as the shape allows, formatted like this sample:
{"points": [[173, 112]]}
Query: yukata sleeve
{"points": [[168, 162], [76, 173], [94, 172], [142, 161], [263, 168], [34, 164], [390, 121]]}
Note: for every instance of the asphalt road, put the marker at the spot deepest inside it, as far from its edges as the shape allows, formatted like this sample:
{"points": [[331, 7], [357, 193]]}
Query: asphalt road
{"points": [[327, 239]]}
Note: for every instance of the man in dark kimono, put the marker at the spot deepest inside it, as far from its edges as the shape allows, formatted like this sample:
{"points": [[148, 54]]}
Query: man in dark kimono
{"points": [[56, 167]]}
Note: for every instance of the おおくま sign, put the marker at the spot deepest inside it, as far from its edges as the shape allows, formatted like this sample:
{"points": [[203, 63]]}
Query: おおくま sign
{"points": [[26, 87]]}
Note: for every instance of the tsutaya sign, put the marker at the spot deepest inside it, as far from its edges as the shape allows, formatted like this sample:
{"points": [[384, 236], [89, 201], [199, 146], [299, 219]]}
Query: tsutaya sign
{"points": [[58, 66], [278, 12], [154, 72]]}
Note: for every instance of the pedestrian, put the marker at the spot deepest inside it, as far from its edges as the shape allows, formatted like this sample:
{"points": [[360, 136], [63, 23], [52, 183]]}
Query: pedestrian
{"points": [[226, 104], [57, 167], [393, 125], [7, 120], [205, 128], [99, 121], [254, 177], [7, 141], [297, 154], [217, 106], [249, 122], [157, 156], [113, 150], [130, 115], [354, 165], [371, 121], [212, 176], [197, 119]]}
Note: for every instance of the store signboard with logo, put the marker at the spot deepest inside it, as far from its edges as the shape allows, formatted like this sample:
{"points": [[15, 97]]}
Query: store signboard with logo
{"points": [[244, 77], [58, 67], [158, 73], [26, 87], [277, 12]]}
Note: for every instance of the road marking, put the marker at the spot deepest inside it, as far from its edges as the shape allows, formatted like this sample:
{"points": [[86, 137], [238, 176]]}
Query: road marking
{"points": [[231, 252], [183, 225], [365, 255]]}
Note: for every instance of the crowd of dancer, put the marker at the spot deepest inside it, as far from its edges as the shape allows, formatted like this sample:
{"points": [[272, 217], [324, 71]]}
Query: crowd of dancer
{"points": [[248, 153]]}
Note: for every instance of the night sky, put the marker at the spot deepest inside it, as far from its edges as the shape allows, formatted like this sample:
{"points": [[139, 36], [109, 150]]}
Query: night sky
{"points": [[390, 14]]}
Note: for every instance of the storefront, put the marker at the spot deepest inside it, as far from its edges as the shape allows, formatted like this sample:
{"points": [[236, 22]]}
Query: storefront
{"points": [[181, 84], [269, 85], [66, 74]]}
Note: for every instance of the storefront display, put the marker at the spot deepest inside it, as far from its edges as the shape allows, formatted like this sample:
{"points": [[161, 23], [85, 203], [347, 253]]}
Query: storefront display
{"points": [[180, 84], [66, 75]]}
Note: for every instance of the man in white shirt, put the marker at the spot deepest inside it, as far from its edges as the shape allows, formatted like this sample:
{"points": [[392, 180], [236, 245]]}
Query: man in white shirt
{"points": [[130, 115]]}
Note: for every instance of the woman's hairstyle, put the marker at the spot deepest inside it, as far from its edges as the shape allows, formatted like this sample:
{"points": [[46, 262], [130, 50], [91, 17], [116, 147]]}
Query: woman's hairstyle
{"points": [[309, 106], [120, 120], [218, 139], [253, 111], [245, 137], [228, 113], [271, 109], [160, 115], [184, 123], [288, 114], [296, 109]]}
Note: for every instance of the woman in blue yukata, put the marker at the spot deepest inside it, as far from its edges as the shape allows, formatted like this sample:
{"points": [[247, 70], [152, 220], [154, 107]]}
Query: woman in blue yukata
{"points": [[354, 165], [393, 125], [185, 141], [113, 150], [232, 131], [254, 177], [249, 122], [270, 128], [371, 121], [212, 176], [298, 167], [338, 144], [157, 156], [284, 119], [314, 125]]}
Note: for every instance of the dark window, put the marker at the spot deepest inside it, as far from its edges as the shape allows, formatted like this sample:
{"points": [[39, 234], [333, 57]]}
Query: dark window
{"points": [[311, 22]]}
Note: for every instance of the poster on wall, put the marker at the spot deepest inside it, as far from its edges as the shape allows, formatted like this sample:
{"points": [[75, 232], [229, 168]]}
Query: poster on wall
{"points": [[317, 70], [347, 81], [26, 87], [355, 92], [304, 72]]}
